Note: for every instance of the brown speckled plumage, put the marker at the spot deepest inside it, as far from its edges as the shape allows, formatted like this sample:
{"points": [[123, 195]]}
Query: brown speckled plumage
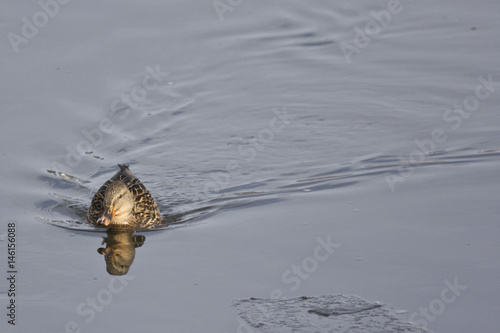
{"points": [[145, 212]]}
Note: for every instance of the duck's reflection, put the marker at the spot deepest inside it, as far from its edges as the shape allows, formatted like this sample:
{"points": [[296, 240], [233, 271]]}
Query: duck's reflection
{"points": [[119, 252]]}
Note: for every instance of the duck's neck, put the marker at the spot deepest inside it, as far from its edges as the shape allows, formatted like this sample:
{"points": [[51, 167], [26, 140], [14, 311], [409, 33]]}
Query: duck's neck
{"points": [[123, 218]]}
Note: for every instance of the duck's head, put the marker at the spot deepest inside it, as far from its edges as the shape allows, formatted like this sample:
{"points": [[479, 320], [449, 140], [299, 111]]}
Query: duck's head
{"points": [[118, 205]]}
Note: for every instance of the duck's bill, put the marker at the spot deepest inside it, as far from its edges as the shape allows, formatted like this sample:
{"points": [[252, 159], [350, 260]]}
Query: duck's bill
{"points": [[109, 253], [105, 220]]}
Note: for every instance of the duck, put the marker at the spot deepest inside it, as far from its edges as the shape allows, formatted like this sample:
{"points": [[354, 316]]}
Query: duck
{"points": [[123, 201]]}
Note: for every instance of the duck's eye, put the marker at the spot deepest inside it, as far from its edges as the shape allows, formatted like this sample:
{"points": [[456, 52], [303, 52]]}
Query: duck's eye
{"points": [[120, 196]]}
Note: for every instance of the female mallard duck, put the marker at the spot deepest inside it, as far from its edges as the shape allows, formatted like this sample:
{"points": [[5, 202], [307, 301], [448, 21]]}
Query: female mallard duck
{"points": [[123, 201]]}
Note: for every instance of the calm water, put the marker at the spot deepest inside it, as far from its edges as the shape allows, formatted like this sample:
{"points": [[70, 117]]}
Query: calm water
{"points": [[259, 127]]}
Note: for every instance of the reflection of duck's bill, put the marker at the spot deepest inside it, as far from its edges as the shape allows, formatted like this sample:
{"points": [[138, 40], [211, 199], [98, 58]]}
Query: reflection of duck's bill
{"points": [[108, 252], [105, 220]]}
